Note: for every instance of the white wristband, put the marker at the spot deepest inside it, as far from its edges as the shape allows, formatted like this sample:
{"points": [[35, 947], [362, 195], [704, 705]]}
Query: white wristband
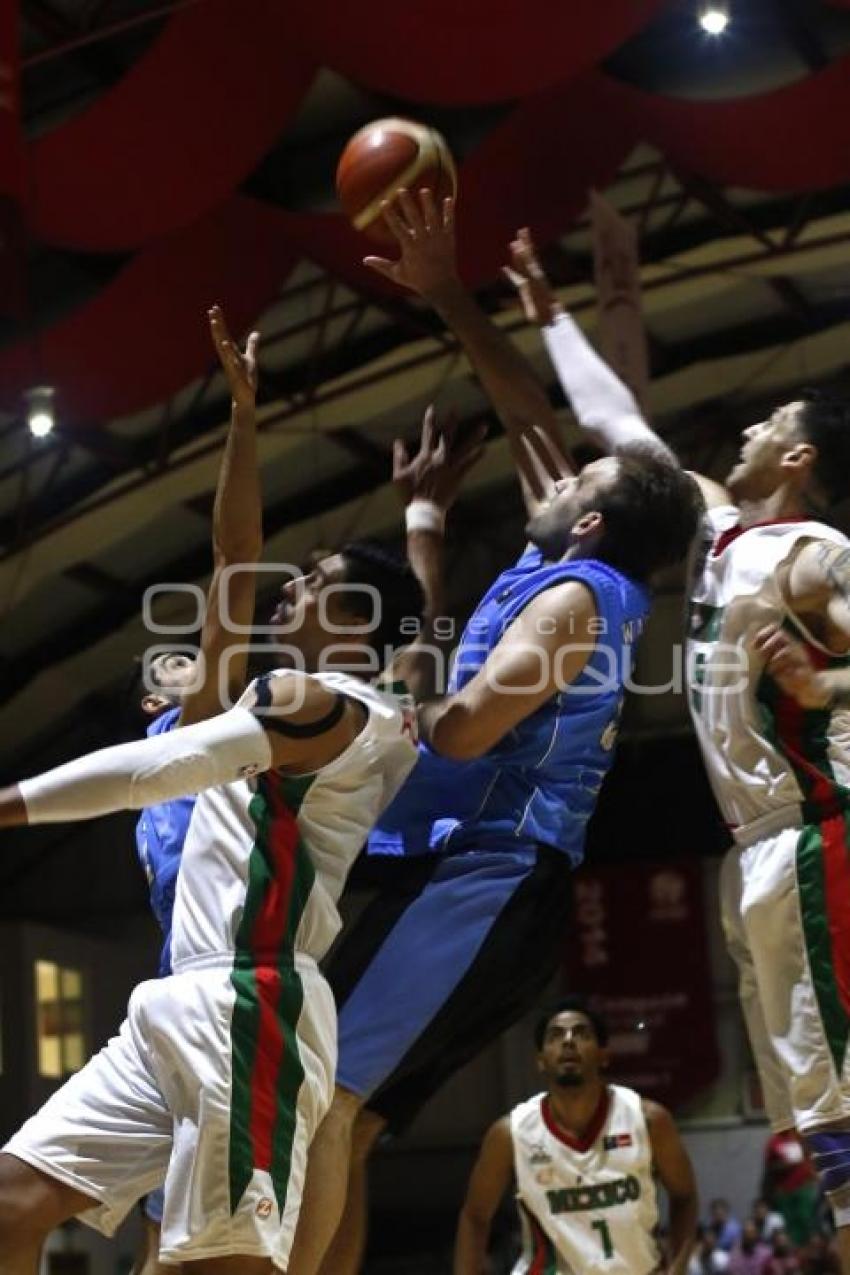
{"points": [[425, 515]]}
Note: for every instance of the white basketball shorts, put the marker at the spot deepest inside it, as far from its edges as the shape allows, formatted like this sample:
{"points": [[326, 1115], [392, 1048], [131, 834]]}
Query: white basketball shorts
{"points": [[214, 1086], [785, 901]]}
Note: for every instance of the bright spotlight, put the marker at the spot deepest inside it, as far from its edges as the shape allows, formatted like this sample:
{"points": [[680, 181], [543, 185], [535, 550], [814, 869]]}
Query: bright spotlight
{"points": [[714, 17], [40, 416], [41, 423]]}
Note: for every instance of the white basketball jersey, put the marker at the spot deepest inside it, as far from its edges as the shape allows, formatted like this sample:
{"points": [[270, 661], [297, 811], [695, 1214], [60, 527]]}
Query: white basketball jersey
{"points": [[266, 858], [586, 1206], [762, 752]]}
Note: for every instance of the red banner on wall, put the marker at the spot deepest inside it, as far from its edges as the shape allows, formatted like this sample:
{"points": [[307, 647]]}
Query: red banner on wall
{"points": [[639, 951]]}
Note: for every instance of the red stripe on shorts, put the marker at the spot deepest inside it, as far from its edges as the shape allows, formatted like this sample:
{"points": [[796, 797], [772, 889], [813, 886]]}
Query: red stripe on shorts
{"points": [[836, 872], [267, 938]]}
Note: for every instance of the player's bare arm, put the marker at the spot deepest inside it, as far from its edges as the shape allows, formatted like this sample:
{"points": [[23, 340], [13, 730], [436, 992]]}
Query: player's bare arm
{"points": [[675, 1172], [491, 1178], [307, 725], [817, 589], [541, 653], [426, 239], [237, 538], [428, 485]]}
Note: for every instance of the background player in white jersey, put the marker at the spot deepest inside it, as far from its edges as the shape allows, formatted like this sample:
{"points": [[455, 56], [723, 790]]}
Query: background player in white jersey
{"points": [[584, 1156], [780, 770]]}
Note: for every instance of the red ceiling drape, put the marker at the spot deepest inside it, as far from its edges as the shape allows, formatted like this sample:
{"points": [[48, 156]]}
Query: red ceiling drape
{"points": [[460, 52], [145, 336], [177, 134], [154, 165]]}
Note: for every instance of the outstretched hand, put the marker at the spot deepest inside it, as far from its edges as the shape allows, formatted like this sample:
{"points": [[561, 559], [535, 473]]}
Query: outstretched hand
{"points": [[437, 471], [240, 366], [543, 464], [426, 237], [539, 303], [790, 665]]}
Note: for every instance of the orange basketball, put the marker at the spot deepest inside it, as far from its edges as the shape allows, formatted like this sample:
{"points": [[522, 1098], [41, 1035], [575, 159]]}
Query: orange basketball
{"points": [[381, 158]]}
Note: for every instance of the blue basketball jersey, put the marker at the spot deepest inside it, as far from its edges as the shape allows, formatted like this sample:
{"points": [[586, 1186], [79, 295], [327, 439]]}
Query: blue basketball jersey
{"points": [[540, 783], [160, 834]]}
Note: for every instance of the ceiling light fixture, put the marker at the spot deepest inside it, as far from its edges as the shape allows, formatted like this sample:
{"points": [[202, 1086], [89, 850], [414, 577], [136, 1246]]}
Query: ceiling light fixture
{"points": [[40, 414], [714, 16]]}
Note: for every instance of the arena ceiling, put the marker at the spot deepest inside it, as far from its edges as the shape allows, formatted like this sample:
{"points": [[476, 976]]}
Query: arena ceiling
{"points": [[173, 155]]}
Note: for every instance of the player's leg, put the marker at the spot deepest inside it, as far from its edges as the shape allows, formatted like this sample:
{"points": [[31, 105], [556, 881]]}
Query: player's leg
{"points": [[426, 980], [326, 1184], [99, 1140], [31, 1205], [328, 1171], [794, 915], [772, 1074], [147, 1260], [345, 1255]]}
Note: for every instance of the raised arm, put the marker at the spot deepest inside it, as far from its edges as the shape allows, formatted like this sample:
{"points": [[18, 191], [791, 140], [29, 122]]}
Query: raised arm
{"points": [[490, 1179], [291, 722], [676, 1174], [543, 652], [428, 485], [237, 539], [604, 406], [427, 267]]}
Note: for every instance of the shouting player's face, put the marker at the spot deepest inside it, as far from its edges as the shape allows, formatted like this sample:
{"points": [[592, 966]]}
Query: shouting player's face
{"points": [[571, 1055], [766, 448]]}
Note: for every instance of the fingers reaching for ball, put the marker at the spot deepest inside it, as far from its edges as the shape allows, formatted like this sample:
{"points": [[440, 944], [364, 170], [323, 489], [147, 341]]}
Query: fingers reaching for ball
{"points": [[424, 233]]}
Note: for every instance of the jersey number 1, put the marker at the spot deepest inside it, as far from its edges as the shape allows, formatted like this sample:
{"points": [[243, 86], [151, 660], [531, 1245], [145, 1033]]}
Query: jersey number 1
{"points": [[605, 1237]]}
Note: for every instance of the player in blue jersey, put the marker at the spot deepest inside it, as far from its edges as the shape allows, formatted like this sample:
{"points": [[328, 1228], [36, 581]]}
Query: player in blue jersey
{"points": [[472, 909], [181, 689]]}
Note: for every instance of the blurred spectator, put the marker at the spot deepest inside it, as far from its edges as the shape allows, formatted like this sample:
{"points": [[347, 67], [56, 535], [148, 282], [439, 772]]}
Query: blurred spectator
{"points": [[790, 1185], [820, 1257], [707, 1258], [767, 1220], [750, 1255], [725, 1227], [783, 1259]]}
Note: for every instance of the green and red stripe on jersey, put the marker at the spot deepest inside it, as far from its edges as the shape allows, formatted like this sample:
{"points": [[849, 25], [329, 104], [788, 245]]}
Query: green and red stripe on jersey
{"points": [[266, 1065], [802, 736], [543, 1259]]}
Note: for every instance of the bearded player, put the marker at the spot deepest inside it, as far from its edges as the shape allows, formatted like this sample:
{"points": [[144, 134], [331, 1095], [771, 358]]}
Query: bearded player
{"points": [[780, 769]]}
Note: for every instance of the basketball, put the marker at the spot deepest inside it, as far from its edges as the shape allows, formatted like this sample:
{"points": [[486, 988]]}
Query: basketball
{"points": [[383, 157]]}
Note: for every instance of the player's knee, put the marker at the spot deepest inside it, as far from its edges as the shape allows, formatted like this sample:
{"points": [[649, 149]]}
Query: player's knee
{"points": [[830, 1152], [345, 1108], [368, 1127]]}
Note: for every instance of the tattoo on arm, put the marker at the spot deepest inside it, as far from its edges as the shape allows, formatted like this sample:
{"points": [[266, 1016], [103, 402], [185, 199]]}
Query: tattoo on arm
{"points": [[836, 567]]}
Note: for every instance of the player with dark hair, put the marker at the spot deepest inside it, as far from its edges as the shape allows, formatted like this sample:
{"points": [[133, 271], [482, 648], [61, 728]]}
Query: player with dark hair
{"points": [[224, 1067], [484, 835], [768, 656], [584, 1156]]}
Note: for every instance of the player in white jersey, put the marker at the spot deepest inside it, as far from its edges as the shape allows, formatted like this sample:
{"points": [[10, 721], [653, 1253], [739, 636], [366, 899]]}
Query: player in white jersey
{"points": [[780, 769], [584, 1156], [223, 1070]]}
